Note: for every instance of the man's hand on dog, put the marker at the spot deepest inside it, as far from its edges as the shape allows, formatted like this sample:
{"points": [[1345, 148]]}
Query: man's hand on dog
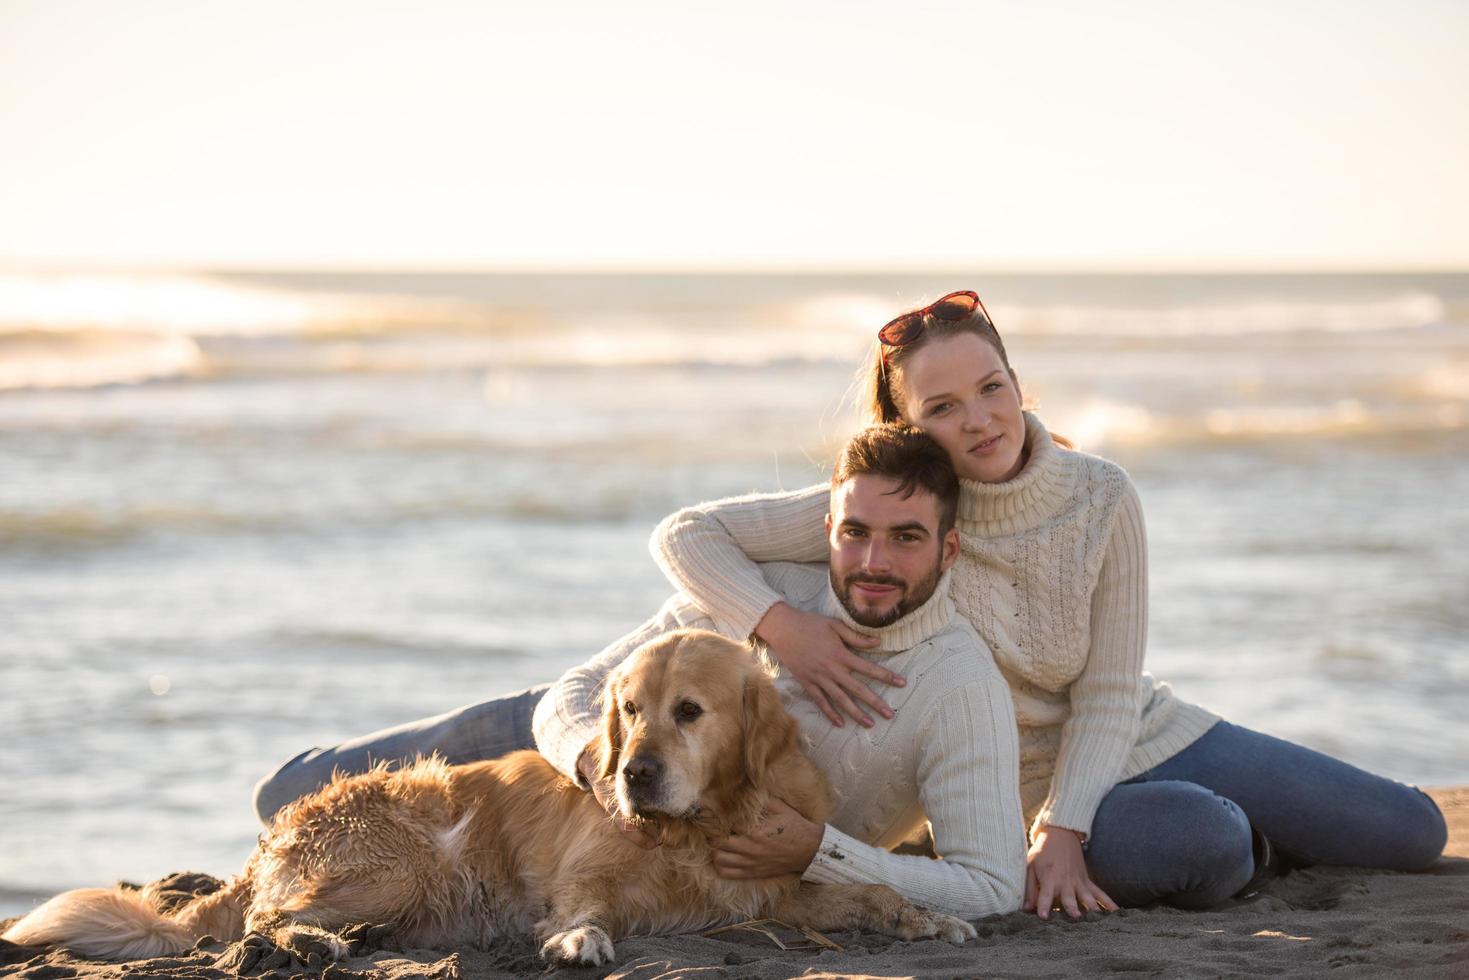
{"points": [[606, 793], [782, 843]]}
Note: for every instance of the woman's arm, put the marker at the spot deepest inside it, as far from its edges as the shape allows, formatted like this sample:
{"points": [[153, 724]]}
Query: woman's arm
{"points": [[709, 553], [1106, 704], [1107, 697]]}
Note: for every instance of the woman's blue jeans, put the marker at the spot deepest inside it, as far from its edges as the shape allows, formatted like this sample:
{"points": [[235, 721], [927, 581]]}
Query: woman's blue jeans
{"points": [[1180, 832], [468, 734]]}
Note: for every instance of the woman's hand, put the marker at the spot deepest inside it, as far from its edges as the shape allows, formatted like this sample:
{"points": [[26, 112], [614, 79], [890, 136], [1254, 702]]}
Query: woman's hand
{"points": [[1055, 873], [814, 649], [782, 843], [606, 795]]}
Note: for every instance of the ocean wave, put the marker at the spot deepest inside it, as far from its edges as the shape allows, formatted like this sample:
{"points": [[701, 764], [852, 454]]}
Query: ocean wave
{"points": [[204, 306], [79, 526], [1099, 424], [91, 358], [373, 643], [1400, 311], [95, 358], [82, 526], [1444, 381], [85, 331]]}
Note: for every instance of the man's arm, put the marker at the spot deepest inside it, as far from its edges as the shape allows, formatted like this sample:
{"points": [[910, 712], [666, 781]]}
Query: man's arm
{"points": [[968, 784]]}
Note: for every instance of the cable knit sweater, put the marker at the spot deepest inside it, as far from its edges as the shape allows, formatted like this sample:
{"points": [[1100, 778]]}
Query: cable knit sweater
{"points": [[949, 756], [1052, 573]]}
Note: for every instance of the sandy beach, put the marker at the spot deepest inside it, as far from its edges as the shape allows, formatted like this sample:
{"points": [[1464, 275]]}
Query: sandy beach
{"points": [[1349, 922]]}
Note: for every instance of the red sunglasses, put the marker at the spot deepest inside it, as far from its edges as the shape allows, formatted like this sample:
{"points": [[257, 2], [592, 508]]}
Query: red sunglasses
{"points": [[904, 330]]}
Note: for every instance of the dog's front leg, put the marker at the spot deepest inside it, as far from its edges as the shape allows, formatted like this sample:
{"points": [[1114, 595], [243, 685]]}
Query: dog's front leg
{"points": [[876, 908], [575, 932]]}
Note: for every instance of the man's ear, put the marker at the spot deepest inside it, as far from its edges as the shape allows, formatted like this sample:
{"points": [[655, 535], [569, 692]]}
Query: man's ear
{"points": [[611, 747], [828, 525], [950, 551]]}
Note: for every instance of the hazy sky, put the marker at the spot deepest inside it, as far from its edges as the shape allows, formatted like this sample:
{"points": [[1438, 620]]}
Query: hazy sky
{"points": [[622, 134]]}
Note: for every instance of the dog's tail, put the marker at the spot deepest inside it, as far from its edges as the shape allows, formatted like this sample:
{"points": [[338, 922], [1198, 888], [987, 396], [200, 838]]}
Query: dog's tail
{"points": [[125, 924]]}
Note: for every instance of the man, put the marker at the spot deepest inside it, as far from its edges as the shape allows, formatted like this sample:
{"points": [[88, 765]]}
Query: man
{"points": [[947, 753]]}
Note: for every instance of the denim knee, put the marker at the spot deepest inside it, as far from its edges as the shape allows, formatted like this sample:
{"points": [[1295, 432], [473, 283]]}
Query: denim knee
{"points": [[1421, 832], [1173, 842], [1213, 848], [265, 800], [279, 788]]}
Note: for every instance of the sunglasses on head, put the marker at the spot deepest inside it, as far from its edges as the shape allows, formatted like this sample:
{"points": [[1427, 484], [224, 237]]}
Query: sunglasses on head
{"points": [[906, 329]]}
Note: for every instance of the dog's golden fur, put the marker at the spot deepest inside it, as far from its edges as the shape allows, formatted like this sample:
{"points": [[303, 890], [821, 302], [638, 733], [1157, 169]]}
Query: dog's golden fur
{"points": [[468, 854]]}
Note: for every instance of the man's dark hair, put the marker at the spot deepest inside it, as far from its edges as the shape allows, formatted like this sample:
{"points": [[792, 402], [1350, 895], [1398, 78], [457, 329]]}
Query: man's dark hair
{"points": [[908, 456]]}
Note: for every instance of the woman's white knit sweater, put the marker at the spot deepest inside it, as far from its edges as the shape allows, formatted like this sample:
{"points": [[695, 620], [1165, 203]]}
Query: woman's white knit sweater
{"points": [[1052, 574]]}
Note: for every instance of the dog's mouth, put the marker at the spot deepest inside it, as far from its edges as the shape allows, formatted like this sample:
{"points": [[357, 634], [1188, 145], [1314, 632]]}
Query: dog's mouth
{"points": [[642, 812]]}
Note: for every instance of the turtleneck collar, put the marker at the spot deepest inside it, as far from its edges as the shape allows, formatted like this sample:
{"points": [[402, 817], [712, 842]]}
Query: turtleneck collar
{"points": [[920, 624], [1035, 493]]}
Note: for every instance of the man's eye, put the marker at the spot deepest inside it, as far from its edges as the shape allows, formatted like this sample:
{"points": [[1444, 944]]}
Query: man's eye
{"points": [[688, 711], [628, 708]]}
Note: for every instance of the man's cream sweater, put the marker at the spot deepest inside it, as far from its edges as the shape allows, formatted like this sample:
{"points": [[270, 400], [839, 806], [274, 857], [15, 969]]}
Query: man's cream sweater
{"points": [[949, 756], [1053, 575]]}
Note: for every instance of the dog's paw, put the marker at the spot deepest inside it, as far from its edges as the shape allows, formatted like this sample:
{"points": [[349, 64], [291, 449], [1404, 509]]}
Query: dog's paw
{"points": [[953, 930], [254, 953], [582, 946], [364, 937], [312, 946], [920, 923]]}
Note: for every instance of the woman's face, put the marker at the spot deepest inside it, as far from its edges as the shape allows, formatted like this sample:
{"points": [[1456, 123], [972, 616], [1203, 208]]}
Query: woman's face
{"points": [[957, 390]]}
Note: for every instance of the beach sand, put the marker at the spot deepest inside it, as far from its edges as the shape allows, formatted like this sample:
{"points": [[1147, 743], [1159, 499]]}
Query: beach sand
{"points": [[1342, 921]]}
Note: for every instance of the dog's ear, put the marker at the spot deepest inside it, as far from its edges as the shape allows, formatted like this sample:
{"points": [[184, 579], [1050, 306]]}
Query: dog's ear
{"points": [[611, 747], [768, 730]]}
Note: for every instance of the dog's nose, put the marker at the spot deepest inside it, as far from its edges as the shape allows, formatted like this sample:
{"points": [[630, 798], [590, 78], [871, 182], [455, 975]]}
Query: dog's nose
{"points": [[641, 771]]}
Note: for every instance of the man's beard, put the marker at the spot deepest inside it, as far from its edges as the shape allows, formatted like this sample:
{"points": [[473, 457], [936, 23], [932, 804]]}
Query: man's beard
{"points": [[911, 598]]}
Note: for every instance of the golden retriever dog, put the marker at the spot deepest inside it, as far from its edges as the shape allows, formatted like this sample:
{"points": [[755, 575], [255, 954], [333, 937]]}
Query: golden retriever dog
{"points": [[697, 742]]}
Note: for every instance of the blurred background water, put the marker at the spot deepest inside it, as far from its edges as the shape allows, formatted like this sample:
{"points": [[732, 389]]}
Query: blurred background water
{"points": [[241, 515]]}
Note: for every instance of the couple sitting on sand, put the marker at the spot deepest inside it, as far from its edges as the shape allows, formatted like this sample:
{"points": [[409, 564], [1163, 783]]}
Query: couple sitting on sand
{"points": [[1006, 613]]}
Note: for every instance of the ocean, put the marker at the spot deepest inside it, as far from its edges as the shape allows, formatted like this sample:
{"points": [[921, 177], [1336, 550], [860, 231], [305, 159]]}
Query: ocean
{"points": [[246, 514]]}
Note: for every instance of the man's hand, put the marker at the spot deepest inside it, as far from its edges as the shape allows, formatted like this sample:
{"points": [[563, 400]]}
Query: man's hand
{"points": [[814, 649], [1055, 873], [606, 795], [782, 843]]}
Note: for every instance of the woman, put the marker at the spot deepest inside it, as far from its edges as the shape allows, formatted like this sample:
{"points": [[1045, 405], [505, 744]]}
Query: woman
{"points": [[1133, 796]]}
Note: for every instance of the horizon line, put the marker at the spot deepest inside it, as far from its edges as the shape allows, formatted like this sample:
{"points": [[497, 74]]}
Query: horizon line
{"points": [[730, 269]]}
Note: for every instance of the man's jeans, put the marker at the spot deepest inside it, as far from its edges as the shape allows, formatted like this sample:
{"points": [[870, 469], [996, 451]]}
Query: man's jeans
{"points": [[471, 733], [1180, 832]]}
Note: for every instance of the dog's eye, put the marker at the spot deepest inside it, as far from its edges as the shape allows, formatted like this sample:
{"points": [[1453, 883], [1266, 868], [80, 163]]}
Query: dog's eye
{"points": [[629, 708], [688, 711]]}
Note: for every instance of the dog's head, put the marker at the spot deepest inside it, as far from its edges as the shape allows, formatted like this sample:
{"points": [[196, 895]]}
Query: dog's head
{"points": [[691, 723]]}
